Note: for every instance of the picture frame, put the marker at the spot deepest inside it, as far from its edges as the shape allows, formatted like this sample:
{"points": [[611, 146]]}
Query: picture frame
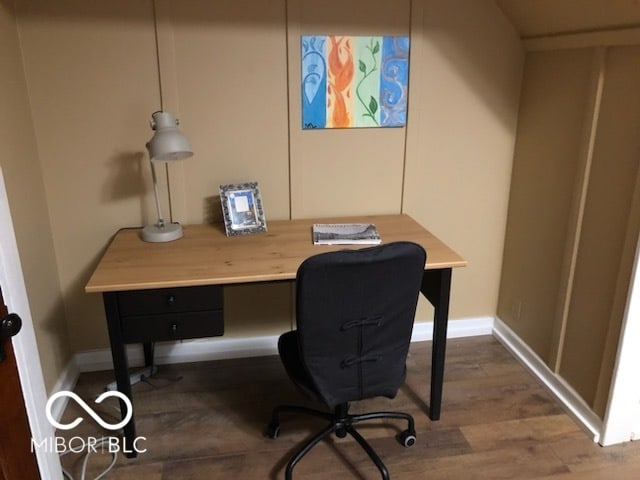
{"points": [[242, 209]]}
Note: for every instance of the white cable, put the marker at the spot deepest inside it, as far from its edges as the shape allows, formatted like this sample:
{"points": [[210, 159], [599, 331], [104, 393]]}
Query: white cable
{"points": [[85, 461], [134, 378], [141, 376]]}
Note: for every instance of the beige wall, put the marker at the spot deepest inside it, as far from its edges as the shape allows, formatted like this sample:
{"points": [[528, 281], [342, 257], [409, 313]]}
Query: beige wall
{"points": [[465, 83], [342, 172], [230, 72], [225, 69], [548, 149], [574, 212], [92, 79], [540, 18], [608, 233], [29, 210]]}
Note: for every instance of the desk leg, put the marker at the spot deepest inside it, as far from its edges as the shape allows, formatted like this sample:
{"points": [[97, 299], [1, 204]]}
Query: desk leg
{"points": [[436, 287], [120, 366], [148, 348]]}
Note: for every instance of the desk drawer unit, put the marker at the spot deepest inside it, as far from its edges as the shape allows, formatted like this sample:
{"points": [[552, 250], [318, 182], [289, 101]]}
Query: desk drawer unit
{"points": [[171, 313]]}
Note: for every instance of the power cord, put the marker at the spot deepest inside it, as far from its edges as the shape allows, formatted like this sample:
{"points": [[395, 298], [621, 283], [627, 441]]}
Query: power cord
{"points": [[85, 461], [138, 377], [101, 445], [144, 376]]}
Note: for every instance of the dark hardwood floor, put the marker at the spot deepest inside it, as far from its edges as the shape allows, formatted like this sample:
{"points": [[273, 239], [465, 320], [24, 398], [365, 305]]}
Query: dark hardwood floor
{"points": [[497, 422]]}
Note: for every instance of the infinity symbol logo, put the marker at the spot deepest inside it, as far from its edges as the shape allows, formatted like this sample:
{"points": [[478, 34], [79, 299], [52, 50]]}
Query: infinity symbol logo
{"points": [[89, 410]]}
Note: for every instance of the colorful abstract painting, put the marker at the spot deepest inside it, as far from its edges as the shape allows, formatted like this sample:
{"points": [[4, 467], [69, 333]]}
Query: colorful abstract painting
{"points": [[350, 81]]}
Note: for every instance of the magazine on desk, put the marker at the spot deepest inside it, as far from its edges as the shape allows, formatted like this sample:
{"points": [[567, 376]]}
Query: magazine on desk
{"points": [[345, 234]]}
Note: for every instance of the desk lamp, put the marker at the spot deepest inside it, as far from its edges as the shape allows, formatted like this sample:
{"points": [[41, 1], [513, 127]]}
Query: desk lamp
{"points": [[167, 144]]}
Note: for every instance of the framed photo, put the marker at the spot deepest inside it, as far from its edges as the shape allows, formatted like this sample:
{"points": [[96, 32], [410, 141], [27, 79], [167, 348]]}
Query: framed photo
{"points": [[242, 209]]}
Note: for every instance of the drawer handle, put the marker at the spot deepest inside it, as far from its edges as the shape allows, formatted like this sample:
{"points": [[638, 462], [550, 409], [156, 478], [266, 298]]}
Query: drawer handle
{"points": [[174, 329], [171, 300]]}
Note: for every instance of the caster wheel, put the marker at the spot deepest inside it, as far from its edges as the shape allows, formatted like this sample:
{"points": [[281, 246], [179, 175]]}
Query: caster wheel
{"points": [[407, 439], [273, 429]]}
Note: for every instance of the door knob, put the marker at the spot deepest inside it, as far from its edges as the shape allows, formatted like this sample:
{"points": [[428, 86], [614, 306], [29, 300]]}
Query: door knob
{"points": [[9, 326]]}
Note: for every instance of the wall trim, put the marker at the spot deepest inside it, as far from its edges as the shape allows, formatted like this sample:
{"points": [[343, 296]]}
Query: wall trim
{"points": [[622, 418], [66, 381], [222, 348], [198, 350], [556, 385], [24, 344], [600, 38], [465, 327]]}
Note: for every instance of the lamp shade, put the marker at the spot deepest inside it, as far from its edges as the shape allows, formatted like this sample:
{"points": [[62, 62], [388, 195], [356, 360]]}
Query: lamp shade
{"points": [[168, 143]]}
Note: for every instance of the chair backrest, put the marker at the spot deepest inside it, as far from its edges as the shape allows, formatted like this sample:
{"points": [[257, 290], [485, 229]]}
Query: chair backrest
{"points": [[354, 312]]}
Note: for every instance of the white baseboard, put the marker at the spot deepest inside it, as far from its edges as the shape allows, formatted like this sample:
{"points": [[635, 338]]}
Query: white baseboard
{"points": [[466, 327], [199, 350], [556, 385], [226, 348], [221, 348], [67, 381]]}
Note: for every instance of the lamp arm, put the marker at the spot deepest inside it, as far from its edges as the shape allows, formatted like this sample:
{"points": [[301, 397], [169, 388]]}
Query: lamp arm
{"points": [[157, 197]]}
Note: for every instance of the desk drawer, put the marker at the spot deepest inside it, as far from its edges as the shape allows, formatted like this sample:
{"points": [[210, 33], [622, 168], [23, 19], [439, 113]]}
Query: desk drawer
{"points": [[170, 300], [173, 326]]}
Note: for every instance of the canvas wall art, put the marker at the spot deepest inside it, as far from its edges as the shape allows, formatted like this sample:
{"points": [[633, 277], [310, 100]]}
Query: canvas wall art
{"points": [[354, 81]]}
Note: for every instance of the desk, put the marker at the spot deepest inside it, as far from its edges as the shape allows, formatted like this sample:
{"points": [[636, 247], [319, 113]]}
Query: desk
{"points": [[172, 291]]}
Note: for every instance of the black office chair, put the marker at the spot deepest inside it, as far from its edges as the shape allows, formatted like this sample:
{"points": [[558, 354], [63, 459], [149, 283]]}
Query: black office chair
{"points": [[354, 315]]}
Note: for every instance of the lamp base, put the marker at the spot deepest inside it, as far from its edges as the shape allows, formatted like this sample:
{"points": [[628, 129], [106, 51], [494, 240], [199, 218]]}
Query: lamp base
{"points": [[166, 233]]}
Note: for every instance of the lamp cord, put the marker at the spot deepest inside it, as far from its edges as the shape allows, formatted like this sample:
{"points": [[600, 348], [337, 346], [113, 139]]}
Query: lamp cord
{"points": [[155, 32]]}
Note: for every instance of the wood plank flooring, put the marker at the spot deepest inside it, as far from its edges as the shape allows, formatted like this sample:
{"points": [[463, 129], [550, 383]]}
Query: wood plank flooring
{"points": [[497, 422]]}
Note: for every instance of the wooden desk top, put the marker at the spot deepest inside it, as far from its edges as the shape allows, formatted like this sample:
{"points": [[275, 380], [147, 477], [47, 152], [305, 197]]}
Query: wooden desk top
{"points": [[206, 256]]}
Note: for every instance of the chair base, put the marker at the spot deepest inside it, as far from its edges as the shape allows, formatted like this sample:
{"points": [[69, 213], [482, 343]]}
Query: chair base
{"points": [[340, 423]]}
